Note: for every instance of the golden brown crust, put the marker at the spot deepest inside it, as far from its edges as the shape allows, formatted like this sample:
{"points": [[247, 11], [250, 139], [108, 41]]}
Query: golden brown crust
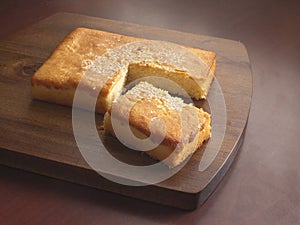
{"points": [[64, 68], [184, 123]]}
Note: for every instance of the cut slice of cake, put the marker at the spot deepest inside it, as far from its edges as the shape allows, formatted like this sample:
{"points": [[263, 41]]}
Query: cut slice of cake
{"points": [[182, 127], [98, 56]]}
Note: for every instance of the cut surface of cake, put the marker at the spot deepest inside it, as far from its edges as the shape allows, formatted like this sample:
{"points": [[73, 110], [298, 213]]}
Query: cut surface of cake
{"points": [[181, 127], [99, 56]]}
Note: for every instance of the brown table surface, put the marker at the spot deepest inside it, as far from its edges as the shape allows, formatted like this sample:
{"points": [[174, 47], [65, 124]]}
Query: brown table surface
{"points": [[263, 184]]}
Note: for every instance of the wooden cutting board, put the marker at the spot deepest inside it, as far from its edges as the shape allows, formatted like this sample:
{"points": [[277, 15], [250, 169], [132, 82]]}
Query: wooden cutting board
{"points": [[37, 136]]}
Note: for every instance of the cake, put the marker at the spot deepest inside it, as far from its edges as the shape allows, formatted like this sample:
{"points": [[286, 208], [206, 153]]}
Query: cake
{"points": [[97, 56], [185, 127]]}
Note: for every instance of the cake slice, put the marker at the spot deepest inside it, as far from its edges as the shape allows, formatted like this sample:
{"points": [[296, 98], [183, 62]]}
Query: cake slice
{"points": [[92, 53], [182, 127]]}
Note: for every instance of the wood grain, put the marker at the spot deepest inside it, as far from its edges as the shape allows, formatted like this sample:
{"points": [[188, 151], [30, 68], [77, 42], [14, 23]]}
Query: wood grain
{"points": [[37, 136]]}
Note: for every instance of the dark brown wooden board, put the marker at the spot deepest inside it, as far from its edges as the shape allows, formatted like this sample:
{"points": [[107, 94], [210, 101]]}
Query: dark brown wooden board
{"points": [[38, 137]]}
